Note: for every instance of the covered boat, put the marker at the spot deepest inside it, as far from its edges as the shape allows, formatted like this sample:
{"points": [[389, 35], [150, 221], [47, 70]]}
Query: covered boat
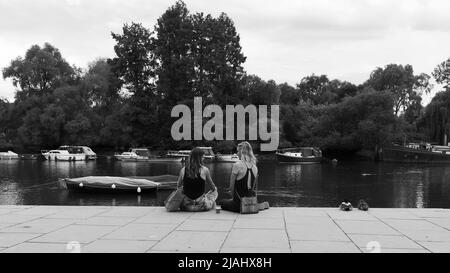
{"points": [[120, 184]]}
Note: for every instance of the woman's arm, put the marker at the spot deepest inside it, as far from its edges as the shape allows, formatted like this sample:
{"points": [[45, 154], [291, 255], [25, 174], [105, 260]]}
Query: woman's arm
{"points": [[233, 176], [209, 180], [180, 178]]}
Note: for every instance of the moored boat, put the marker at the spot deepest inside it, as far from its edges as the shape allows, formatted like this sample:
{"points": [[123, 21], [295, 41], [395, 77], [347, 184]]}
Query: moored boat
{"points": [[120, 184], [9, 155], [226, 158], [415, 153], [301, 155], [69, 153]]}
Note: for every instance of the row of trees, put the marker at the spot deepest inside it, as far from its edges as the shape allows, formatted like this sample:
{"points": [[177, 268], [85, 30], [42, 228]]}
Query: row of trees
{"points": [[126, 100]]}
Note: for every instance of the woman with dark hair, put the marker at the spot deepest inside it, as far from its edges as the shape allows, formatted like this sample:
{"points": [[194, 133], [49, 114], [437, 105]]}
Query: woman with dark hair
{"points": [[243, 180], [194, 179]]}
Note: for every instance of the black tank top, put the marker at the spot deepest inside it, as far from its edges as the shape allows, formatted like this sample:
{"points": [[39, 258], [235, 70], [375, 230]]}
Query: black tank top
{"points": [[193, 187], [241, 185]]}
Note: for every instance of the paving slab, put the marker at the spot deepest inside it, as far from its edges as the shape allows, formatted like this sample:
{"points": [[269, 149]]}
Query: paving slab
{"points": [[118, 246], [16, 219], [257, 239], [39, 226], [105, 221], [8, 239], [437, 247], [259, 223], [150, 232], [75, 233], [323, 247], [199, 241], [383, 241], [205, 225], [42, 248], [366, 227]]}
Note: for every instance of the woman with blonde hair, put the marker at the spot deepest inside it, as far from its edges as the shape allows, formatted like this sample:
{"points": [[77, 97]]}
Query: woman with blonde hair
{"points": [[243, 180], [193, 180]]}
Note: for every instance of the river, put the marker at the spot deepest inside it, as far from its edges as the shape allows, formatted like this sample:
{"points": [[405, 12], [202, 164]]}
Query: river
{"points": [[387, 185]]}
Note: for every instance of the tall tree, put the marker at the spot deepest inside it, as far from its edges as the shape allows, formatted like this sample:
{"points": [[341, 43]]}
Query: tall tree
{"points": [[401, 81], [442, 73], [40, 71]]}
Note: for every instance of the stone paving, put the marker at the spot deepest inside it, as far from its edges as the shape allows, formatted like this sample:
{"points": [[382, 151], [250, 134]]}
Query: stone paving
{"points": [[287, 230]]}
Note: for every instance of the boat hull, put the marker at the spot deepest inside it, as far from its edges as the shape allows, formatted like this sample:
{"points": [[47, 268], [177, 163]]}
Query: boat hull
{"points": [[410, 155]]}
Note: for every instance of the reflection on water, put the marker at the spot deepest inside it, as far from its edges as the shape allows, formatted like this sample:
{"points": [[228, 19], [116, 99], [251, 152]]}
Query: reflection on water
{"points": [[380, 184]]}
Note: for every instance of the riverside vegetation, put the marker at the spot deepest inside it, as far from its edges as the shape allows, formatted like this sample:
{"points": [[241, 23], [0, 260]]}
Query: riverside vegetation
{"points": [[124, 101]]}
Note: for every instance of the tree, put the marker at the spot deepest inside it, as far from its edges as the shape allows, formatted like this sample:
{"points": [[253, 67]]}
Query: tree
{"points": [[289, 95], [312, 88], [40, 71], [401, 82], [135, 62], [442, 73]]}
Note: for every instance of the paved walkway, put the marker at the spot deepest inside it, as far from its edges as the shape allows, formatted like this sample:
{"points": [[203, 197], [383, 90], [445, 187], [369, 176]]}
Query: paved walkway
{"points": [[151, 229]]}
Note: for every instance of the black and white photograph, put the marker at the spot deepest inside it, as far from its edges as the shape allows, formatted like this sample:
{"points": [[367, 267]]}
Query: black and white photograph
{"points": [[224, 127]]}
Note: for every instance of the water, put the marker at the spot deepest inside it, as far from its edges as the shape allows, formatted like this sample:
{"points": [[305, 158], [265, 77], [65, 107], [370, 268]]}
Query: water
{"points": [[380, 184]]}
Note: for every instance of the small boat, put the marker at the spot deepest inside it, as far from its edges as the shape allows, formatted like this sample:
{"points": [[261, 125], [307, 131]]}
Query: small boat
{"points": [[144, 155], [29, 157], [120, 184], [227, 158], [130, 156], [301, 155], [8, 155], [179, 154]]}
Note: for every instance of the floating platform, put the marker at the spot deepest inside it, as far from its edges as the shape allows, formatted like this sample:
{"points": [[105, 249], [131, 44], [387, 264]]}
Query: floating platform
{"points": [[120, 184]]}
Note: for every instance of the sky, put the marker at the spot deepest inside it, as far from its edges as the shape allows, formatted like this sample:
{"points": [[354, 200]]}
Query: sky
{"points": [[282, 40]]}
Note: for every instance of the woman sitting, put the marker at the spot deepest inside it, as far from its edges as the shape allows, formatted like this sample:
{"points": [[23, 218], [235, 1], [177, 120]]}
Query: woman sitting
{"points": [[193, 179], [243, 180]]}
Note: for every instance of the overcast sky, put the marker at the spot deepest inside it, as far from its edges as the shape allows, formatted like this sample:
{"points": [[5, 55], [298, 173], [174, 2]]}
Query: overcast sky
{"points": [[283, 40]]}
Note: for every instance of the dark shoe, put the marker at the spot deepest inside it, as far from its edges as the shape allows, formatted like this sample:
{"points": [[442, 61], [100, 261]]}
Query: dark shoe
{"points": [[362, 205]]}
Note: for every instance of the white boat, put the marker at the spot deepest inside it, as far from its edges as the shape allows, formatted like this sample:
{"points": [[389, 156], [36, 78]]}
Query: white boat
{"points": [[63, 155], [70, 153], [8, 155], [135, 154], [89, 154], [227, 158], [179, 154], [143, 154], [302, 155]]}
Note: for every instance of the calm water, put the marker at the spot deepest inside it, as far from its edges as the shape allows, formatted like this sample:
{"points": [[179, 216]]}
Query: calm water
{"points": [[381, 184]]}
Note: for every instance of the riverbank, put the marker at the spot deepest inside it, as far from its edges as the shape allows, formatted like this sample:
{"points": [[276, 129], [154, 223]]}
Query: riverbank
{"points": [[287, 230]]}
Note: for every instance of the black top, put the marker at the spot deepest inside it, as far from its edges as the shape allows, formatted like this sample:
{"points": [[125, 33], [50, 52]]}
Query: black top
{"points": [[193, 187], [241, 185]]}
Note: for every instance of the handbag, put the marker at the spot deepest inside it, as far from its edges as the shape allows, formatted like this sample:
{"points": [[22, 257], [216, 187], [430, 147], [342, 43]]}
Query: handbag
{"points": [[174, 201], [249, 205]]}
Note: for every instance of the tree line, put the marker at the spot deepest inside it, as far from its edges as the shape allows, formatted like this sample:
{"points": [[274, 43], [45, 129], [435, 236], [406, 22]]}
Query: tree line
{"points": [[125, 101]]}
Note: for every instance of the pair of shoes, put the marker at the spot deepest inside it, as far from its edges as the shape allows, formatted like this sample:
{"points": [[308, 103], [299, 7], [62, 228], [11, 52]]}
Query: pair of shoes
{"points": [[264, 205], [362, 205], [346, 206]]}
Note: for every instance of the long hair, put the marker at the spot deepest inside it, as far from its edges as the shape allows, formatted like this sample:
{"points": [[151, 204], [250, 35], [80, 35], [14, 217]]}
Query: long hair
{"points": [[194, 162], [247, 152]]}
